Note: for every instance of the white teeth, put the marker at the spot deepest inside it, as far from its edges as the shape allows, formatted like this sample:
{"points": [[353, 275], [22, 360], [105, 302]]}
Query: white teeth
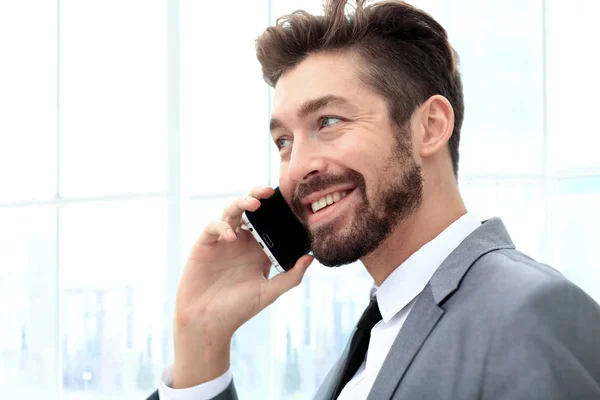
{"points": [[327, 200], [315, 206]]}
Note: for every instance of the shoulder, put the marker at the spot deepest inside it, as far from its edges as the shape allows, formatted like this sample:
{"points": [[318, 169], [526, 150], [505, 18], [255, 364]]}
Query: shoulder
{"points": [[525, 299], [505, 290], [544, 331], [530, 331], [516, 280]]}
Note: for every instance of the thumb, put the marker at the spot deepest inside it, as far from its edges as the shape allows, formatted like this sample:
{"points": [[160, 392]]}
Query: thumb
{"points": [[283, 282]]}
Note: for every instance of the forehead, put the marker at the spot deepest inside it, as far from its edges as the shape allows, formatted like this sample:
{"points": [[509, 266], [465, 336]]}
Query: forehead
{"points": [[319, 75]]}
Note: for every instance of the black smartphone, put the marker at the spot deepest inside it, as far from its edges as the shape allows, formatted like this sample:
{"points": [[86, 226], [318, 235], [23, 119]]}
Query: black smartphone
{"points": [[278, 231]]}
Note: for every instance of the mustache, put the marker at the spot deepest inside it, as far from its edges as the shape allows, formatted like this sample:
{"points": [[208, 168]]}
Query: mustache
{"points": [[322, 182]]}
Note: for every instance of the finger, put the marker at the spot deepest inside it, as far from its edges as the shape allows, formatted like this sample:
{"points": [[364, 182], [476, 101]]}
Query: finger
{"points": [[257, 192], [215, 230], [242, 227], [281, 283], [261, 192], [233, 212]]}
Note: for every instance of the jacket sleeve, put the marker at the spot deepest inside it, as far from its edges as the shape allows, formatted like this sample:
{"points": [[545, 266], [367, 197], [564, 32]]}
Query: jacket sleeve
{"points": [[228, 394], [220, 388]]}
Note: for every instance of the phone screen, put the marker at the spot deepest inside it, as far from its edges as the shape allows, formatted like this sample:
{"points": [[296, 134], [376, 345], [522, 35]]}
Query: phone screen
{"points": [[278, 231]]}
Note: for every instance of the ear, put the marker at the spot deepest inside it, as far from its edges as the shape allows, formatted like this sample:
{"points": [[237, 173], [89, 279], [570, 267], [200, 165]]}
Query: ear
{"points": [[437, 122]]}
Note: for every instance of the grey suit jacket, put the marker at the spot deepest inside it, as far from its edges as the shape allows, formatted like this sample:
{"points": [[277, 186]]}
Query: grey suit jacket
{"points": [[491, 324]]}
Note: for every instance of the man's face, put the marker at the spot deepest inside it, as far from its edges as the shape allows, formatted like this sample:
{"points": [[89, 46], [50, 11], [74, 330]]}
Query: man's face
{"points": [[346, 169]]}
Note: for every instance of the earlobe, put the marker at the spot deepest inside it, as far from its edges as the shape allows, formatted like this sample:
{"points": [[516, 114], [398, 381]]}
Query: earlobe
{"points": [[438, 124]]}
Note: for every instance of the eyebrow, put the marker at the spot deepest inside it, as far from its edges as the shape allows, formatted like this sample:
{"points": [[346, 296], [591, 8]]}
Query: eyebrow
{"points": [[310, 107]]}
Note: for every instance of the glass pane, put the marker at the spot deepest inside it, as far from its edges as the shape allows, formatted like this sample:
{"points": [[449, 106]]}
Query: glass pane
{"points": [[282, 7], [313, 323], [28, 44], [576, 217], [251, 357], [224, 100], [113, 258], [521, 206], [28, 303], [113, 97], [573, 82], [502, 75]]}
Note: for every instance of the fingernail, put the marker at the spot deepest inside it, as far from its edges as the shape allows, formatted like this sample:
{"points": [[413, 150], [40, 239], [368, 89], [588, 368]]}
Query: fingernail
{"points": [[229, 232]]}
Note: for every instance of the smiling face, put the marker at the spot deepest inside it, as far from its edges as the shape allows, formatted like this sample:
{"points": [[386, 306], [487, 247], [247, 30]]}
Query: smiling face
{"points": [[346, 168]]}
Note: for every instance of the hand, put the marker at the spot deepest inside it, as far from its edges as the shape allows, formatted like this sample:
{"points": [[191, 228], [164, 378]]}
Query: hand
{"points": [[224, 284]]}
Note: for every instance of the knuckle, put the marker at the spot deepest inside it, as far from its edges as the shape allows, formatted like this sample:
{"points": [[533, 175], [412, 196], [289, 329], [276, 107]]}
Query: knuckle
{"points": [[297, 279], [247, 200], [213, 225]]}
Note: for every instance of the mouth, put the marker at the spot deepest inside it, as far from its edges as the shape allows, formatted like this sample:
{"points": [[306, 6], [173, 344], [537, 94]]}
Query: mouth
{"points": [[328, 200], [328, 207]]}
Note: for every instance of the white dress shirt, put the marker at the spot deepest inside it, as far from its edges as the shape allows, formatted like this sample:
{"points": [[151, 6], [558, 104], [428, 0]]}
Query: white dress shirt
{"points": [[395, 298]]}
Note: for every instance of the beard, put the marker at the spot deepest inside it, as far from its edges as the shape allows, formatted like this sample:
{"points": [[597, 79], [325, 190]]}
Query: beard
{"points": [[400, 194]]}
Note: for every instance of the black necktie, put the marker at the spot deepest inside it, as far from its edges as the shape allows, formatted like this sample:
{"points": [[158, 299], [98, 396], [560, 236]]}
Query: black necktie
{"points": [[359, 344]]}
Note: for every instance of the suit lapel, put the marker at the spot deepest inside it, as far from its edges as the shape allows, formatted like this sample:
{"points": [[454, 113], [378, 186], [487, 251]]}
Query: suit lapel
{"points": [[419, 323]]}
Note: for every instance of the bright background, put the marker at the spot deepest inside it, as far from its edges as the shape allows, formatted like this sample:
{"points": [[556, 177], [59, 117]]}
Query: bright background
{"points": [[125, 125]]}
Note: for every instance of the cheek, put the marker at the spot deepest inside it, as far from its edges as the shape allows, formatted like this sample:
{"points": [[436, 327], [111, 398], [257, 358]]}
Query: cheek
{"points": [[286, 186], [372, 166], [368, 144], [360, 155]]}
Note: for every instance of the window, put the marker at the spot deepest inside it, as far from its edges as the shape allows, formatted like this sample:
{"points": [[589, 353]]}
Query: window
{"points": [[125, 126], [28, 102], [112, 91], [29, 354]]}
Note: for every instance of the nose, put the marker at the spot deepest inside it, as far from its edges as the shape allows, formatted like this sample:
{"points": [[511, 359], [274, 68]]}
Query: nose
{"points": [[305, 160]]}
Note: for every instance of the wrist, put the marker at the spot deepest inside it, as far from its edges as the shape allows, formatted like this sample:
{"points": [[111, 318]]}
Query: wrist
{"points": [[197, 362]]}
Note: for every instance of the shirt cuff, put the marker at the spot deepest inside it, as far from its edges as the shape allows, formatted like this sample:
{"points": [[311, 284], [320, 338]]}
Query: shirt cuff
{"points": [[204, 391]]}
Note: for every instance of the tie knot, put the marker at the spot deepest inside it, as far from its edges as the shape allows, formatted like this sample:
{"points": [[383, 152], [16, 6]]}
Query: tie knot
{"points": [[370, 317]]}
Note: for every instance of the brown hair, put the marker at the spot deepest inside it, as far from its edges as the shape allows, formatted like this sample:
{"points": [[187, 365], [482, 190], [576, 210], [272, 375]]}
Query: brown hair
{"points": [[406, 53]]}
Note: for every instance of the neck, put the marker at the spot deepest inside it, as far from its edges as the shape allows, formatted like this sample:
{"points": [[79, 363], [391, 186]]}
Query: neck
{"points": [[435, 214]]}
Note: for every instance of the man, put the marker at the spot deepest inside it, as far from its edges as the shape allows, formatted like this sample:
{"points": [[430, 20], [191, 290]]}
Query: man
{"points": [[368, 109]]}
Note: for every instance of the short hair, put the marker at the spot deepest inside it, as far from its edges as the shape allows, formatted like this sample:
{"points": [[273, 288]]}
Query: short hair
{"points": [[406, 55]]}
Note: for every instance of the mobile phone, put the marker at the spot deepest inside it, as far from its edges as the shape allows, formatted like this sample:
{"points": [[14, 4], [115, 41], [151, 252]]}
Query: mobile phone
{"points": [[277, 230]]}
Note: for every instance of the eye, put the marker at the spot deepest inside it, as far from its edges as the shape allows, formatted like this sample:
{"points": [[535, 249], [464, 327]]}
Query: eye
{"points": [[282, 142], [328, 121]]}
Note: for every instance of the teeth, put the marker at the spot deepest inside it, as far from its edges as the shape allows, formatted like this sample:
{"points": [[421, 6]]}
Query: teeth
{"points": [[315, 206], [327, 200]]}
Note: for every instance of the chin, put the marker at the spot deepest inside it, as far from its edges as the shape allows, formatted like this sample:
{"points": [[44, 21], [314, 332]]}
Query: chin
{"points": [[336, 254]]}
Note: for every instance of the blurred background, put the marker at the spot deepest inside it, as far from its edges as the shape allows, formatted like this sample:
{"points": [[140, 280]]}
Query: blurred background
{"points": [[125, 125]]}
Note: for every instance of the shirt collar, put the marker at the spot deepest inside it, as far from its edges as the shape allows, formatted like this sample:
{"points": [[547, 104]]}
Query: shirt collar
{"points": [[411, 277]]}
